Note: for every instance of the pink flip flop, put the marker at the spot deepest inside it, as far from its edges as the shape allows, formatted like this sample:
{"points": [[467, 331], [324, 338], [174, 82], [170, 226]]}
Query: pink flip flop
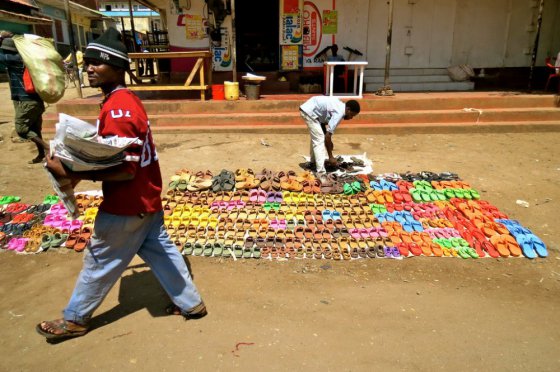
{"points": [[261, 196], [20, 245], [254, 195]]}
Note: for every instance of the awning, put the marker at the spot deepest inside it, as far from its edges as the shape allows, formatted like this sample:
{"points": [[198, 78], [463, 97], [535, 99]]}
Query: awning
{"points": [[75, 8], [24, 2], [23, 18]]}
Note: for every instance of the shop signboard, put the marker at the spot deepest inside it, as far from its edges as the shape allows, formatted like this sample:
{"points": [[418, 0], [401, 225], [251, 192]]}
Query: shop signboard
{"points": [[330, 22], [291, 27], [291, 57], [194, 26], [314, 38], [221, 55]]}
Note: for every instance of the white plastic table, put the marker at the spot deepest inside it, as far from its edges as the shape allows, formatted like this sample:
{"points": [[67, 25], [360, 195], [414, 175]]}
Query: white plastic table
{"points": [[359, 67]]}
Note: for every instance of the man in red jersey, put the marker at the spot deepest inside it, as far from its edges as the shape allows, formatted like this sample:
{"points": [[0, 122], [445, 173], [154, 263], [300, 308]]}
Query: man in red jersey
{"points": [[130, 218]]}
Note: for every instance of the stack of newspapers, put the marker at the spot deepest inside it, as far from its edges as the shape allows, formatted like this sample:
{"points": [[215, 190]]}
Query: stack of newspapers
{"points": [[79, 148]]}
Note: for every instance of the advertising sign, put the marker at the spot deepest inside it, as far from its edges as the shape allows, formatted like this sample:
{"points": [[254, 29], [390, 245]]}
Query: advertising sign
{"points": [[291, 57], [291, 27], [194, 27], [314, 39], [330, 21], [221, 56]]}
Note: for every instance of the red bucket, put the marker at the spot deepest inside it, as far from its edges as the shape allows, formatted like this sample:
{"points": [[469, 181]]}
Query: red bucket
{"points": [[218, 92]]}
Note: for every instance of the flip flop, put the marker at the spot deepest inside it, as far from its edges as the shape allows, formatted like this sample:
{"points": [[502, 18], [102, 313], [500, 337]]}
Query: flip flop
{"points": [[539, 246], [526, 245], [60, 325]]}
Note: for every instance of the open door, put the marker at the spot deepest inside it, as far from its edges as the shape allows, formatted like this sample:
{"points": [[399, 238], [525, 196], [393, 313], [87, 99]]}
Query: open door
{"points": [[257, 34]]}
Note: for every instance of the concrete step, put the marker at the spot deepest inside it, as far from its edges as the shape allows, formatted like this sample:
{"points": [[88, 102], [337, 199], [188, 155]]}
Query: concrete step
{"points": [[377, 128], [290, 103], [280, 113], [424, 86], [408, 79], [414, 80], [283, 119], [405, 71]]}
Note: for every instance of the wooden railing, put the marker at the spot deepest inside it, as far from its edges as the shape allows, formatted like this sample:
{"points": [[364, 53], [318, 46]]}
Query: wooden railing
{"points": [[202, 57]]}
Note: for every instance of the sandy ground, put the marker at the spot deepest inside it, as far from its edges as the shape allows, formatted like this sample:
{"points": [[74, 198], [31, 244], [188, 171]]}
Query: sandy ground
{"points": [[419, 314]]}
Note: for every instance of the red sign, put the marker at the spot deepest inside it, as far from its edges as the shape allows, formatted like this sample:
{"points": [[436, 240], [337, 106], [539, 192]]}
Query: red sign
{"points": [[291, 6]]}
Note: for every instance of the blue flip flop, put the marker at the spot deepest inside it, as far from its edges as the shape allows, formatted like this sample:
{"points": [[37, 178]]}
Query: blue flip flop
{"points": [[526, 247], [375, 185], [538, 246]]}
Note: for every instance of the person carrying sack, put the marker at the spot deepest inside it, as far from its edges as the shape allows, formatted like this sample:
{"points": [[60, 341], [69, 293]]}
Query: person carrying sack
{"points": [[29, 107]]}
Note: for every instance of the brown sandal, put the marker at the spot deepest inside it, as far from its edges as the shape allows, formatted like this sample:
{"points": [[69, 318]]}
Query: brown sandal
{"points": [[197, 312], [60, 329]]}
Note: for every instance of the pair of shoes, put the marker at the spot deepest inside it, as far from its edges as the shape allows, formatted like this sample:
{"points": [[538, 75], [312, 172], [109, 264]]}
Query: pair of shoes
{"points": [[225, 181]]}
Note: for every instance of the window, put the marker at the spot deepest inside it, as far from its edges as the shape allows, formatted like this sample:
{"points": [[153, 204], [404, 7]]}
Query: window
{"points": [[108, 8], [135, 8]]}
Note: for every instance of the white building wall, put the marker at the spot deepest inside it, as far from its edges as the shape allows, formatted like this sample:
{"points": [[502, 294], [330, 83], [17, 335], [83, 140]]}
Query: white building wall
{"points": [[430, 33], [352, 26], [481, 33]]}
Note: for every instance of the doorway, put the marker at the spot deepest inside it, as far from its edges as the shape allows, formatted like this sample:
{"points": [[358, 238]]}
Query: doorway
{"points": [[257, 35]]}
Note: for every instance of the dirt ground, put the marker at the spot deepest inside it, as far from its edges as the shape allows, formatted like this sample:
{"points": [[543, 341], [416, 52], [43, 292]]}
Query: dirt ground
{"points": [[418, 314]]}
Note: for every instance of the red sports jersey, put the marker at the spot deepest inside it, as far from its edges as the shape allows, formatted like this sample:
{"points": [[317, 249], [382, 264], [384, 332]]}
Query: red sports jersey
{"points": [[123, 115]]}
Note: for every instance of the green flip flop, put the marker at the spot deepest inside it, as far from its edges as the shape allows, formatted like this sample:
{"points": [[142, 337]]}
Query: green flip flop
{"points": [[218, 249], [416, 194], [459, 193], [440, 195], [347, 189], [188, 249], [444, 242], [455, 242], [247, 252], [449, 193], [475, 194], [58, 239], [356, 187], [46, 241], [238, 251], [471, 252], [173, 185], [198, 249], [226, 253], [462, 251], [208, 249]]}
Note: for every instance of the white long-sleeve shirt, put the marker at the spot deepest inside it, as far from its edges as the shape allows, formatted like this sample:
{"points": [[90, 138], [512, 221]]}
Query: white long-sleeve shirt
{"points": [[326, 110]]}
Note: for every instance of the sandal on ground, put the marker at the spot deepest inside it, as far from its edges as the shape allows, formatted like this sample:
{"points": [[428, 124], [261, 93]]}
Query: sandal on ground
{"points": [[60, 329], [37, 159], [197, 312]]}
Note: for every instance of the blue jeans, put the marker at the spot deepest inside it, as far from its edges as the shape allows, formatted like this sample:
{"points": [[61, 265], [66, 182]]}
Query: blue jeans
{"points": [[114, 242]]}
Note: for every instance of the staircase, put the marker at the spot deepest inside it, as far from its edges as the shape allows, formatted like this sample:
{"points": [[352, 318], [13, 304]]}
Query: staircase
{"points": [[414, 80], [404, 112]]}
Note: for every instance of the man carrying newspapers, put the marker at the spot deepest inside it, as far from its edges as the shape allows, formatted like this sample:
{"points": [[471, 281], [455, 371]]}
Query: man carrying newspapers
{"points": [[130, 218]]}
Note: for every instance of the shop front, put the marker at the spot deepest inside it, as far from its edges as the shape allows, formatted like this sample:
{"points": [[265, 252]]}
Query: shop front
{"points": [[286, 41]]}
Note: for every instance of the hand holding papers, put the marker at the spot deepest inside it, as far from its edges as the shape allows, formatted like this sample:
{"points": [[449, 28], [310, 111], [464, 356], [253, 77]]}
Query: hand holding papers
{"points": [[79, 148]]}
